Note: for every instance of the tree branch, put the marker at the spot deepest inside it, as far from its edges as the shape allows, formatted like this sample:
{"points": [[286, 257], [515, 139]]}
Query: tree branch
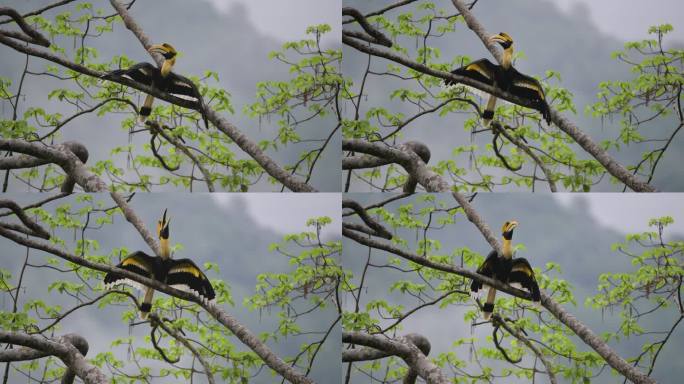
{"points": [[31, 35], [405, 156], [403, 348], [68, 155], [69, 348]]}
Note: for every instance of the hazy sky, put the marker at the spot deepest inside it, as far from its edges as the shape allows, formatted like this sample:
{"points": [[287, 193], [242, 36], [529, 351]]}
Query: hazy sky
{"points": [[267, 15], [630, 19], [289, 213], [630, 212]]}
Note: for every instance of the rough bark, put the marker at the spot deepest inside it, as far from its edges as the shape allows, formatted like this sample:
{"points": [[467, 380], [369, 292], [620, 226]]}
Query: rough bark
{"points": [[407, 158], [64, 155], [402, 348], [68, 348]]}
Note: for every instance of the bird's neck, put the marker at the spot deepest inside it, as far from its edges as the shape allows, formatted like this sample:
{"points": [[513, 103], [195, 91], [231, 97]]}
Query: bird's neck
{"points": [[507, 57], [507, 249], [164, 248], [167, 66]]}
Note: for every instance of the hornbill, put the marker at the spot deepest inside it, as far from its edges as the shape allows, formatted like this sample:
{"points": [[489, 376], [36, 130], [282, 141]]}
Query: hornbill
{"points": [[516, 272], [506, 78], [163, 79], [182, 274]]}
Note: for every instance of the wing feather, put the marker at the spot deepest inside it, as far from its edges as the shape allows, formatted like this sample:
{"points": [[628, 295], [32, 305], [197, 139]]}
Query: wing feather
{"points": [[481, 70], [487, 269], [522, 274], [184, 274], [137, 262]]}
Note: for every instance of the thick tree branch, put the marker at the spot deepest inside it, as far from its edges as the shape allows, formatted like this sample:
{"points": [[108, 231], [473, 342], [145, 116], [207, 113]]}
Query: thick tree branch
{"points": [[403, 348], [67, 155], [405, 156], [377, 37], [34, 229], [595, 342], [379, 229], [68, 348], [136, 221], [31, 35], [368, 353]]}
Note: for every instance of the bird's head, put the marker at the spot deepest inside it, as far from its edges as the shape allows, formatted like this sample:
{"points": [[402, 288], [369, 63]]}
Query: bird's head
{"points": [[503, 39], [507, 229], [165, 49], [163, 227]]}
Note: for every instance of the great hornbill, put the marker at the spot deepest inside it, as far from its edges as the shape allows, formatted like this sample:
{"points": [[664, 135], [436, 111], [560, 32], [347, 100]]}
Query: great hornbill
{"points": [[516, 272], [163, 79], [182, 274], [506, 78]]}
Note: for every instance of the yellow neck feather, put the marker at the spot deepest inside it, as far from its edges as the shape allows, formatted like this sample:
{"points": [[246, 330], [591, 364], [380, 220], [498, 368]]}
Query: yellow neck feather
{"points": [[165, 251], [507, 249], [507, 57], [167, 66]]}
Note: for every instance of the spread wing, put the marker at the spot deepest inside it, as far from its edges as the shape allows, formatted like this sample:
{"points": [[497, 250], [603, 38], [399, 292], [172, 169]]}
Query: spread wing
{"points": [[185, 275], [487, 268], [529, 88], [522, 276], [137, 262], [144, 73], [185, 88], [481, 70]]}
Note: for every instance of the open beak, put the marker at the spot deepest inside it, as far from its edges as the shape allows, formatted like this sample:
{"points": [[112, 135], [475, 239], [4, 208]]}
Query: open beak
{"points": [[165, 221]]}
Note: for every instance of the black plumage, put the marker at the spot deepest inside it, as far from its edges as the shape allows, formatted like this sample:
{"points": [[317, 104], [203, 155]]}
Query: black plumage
{"points": [[503, 267], [506, 78], [182, 274], [177, 85]]}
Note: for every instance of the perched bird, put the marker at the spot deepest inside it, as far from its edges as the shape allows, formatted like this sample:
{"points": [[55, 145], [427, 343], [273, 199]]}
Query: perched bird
{"points": [[516, 272], [163, 79], [181, 274], [506, 78]]}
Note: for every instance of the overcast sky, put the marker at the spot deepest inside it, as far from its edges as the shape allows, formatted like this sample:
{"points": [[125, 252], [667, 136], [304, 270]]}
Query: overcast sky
{"points": [[624, 19], [288, 213], [630, 19], [267, 16], [630, 212]]}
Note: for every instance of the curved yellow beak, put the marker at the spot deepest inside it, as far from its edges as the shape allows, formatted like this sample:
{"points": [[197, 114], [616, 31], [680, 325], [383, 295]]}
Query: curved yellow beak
{"points": [[158, 48], [498, 39]]}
